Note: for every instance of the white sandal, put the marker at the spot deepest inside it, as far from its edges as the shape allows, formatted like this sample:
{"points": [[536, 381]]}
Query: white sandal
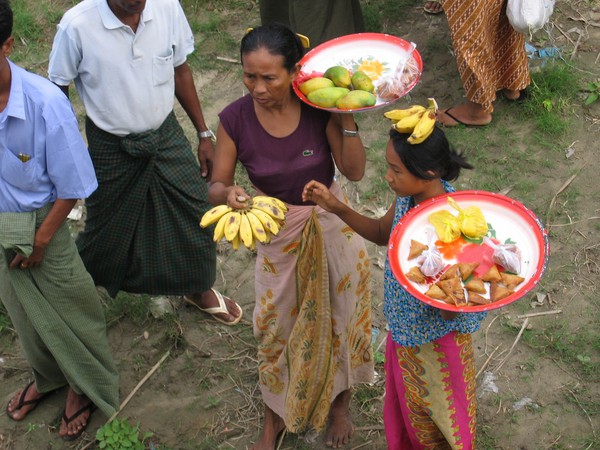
{"points": [[221, 309]]}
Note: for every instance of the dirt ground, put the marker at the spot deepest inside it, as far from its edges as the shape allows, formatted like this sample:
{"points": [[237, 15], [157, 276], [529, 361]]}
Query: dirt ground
{"points": [[204, 394]]}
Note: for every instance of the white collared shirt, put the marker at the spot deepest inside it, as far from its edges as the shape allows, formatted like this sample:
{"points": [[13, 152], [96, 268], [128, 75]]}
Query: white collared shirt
{"points": [[124, 79]]}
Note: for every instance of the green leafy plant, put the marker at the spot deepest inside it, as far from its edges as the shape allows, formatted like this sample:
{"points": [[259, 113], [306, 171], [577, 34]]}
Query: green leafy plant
{"points": [[594, 92], [120, 434]]}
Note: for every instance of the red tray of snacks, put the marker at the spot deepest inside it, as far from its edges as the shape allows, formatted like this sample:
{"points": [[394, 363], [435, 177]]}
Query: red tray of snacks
{"points": [[474, 262], [376, 54]]}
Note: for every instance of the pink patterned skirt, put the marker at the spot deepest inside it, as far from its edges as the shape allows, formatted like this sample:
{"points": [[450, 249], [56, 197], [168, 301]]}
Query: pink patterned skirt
{"points": [[430, 394]]}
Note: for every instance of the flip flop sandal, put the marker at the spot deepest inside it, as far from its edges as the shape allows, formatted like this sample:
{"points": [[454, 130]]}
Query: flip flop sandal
{"points": [[89, 407], [221, 309], [22, 402], [432, 11], [460, 122]]}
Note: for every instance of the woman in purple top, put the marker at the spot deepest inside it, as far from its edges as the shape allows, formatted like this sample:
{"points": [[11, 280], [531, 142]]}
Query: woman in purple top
{"points": [[312, 315]]}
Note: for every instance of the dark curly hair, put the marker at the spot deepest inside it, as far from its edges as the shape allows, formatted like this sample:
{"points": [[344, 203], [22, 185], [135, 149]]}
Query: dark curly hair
{"points": [[434, 154]]}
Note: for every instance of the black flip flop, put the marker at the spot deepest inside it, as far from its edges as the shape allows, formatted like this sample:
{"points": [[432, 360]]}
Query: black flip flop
{"points": [[22, 402], [89, 407], [460, 122]]}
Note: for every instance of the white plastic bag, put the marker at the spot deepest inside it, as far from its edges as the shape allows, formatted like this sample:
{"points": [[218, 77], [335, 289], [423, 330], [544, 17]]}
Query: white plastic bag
{"points": [[431, 261], [528, 16], [507, 255]]}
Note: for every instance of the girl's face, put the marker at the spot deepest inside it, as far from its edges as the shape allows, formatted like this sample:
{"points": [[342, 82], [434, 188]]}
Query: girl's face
{"points": [[402, 182], [266, 78]]}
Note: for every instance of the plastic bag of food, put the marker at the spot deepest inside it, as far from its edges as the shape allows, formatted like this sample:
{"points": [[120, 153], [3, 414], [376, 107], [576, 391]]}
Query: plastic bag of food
{"points": [[471, 221], [506, 255], [430, 260], [394, 85], [446, 225]]}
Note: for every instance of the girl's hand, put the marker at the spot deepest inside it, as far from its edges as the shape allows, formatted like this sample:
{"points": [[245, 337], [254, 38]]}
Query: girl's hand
{"points": [[237, 197], [318, 193]]}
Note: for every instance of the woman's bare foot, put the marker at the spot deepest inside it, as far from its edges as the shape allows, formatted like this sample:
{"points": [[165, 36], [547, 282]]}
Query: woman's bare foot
{"points": [[340, 427], [511, 94], [208, 299], [77, 413], [273, 425], [468, 114], [23, 402]]}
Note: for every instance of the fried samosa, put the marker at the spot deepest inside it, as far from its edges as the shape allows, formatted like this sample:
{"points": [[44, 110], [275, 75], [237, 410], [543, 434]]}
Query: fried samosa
{"points": [[511, 281], [466, 269], [453, 288], [492, 275], [499, 292], [476, 284], [436, 292], [475, 299], [416, 248], [415, 274]]}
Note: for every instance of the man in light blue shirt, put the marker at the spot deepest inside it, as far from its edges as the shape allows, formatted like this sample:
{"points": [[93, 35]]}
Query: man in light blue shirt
{"points": [[50, 297]]}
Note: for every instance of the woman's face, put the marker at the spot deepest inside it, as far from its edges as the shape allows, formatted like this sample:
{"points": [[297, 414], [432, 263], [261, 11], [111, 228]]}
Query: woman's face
{"points": [[401, 181], [266, 78]]}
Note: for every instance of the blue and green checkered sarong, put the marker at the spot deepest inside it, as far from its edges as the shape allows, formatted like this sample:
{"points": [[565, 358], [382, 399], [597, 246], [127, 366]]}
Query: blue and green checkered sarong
{"points": [[141, 233]]}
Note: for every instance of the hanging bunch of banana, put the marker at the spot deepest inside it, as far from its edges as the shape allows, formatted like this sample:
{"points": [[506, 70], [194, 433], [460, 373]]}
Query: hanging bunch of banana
{"points": [[416, 120], [262, 218]]}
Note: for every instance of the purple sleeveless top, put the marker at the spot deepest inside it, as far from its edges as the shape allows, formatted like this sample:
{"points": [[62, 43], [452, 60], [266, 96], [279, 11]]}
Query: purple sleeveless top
{"points": [[280, 167]]}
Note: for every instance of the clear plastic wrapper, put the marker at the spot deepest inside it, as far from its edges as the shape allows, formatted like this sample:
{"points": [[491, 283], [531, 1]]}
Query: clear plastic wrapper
{"points": [[505, 255], [394, 85], [431, 260]]}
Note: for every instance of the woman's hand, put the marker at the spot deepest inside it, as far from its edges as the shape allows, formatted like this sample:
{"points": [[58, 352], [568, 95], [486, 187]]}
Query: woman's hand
{"points": [[318, 193], [237, 197]]}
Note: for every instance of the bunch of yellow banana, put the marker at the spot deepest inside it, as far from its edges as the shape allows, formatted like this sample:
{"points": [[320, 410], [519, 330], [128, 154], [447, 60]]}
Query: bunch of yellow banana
{"points": [[416, 120], [262, 218]]}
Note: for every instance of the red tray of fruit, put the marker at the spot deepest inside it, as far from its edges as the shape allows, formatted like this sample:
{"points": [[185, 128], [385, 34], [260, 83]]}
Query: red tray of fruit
{"points": [[375, 54]]}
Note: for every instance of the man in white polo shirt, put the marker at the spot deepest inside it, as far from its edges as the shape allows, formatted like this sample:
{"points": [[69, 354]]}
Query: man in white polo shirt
{"points": [[128, 61]]}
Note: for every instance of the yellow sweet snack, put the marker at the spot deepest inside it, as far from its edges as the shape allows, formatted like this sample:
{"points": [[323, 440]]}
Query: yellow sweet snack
{"points": [[471, 221], [446, 226]]}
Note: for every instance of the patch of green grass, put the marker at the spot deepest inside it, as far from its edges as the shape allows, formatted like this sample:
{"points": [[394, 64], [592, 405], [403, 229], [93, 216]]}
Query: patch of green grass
{"points": [[134, 307], [579, 350], [551, 92], [173, 334], [368, 399], [377, 14], [485, 438]]}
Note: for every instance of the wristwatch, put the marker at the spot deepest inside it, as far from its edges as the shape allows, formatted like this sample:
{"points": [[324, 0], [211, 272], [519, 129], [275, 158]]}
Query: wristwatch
{"points": [[206, 134]]}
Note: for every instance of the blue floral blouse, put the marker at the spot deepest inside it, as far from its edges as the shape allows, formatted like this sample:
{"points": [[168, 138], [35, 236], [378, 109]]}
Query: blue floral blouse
{"points": [[411, 321]]}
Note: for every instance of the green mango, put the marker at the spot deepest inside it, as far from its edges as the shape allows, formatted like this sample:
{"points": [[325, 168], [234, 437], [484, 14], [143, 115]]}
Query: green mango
{"points": [[315, 83], [356, 99], [326, 97], [340, 76], [362, 81]]}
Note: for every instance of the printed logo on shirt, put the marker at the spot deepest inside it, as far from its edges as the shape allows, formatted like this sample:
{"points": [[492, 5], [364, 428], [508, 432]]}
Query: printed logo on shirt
{"points": [[308, 152]]}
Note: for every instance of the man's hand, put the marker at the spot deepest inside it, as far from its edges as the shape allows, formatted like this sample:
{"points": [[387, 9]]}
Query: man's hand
{"points": [[206, 153]]}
